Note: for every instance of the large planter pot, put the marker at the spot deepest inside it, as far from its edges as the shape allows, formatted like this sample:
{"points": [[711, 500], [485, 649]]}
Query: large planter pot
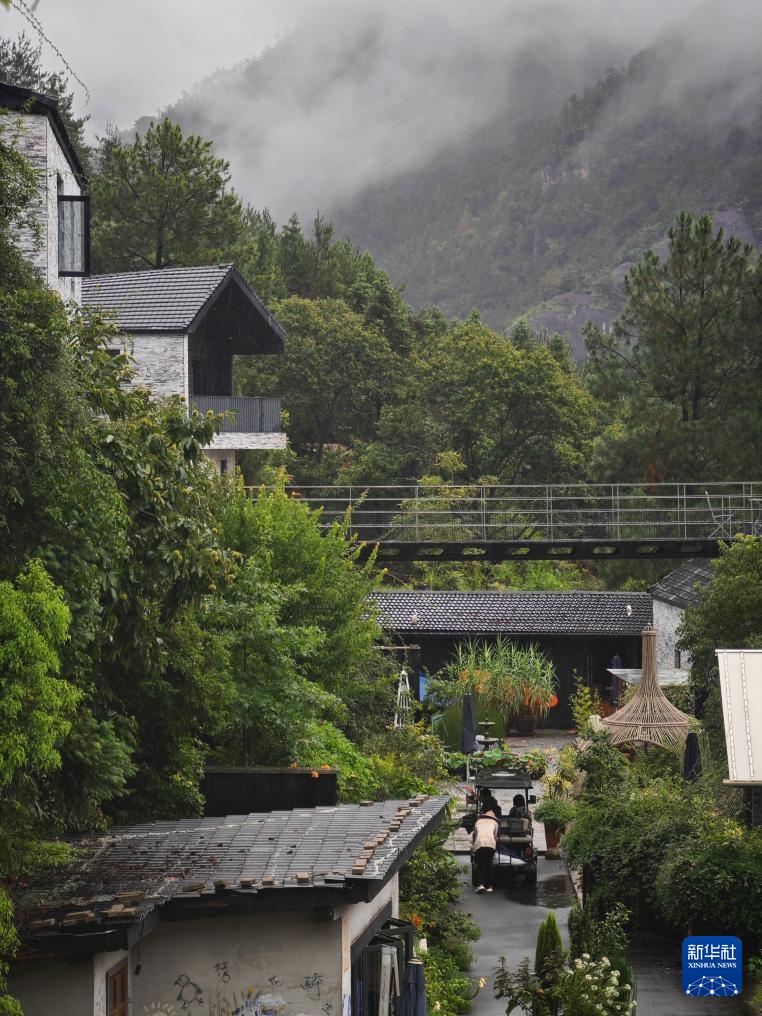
{"points": [[553, 834], [527, 724]]}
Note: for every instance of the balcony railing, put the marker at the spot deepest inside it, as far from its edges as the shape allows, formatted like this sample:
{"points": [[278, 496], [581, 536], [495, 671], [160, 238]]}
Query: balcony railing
{"points": [[244, 414]]}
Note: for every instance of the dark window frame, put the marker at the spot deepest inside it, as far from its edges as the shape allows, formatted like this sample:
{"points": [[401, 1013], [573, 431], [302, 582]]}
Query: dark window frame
{"points": [[83, 199]]}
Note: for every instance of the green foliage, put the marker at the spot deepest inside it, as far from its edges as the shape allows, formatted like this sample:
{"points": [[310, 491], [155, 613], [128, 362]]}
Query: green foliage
{"points": [[321, 744], [508, 678], [728, 614], [598, 935], [604, 765], [36, 704], [555, 811], [549, 944], [336, 373], [406, 761], [711, 880], [430, 892], [162, 202], [583, 705], [688, 337], [9, 944]]}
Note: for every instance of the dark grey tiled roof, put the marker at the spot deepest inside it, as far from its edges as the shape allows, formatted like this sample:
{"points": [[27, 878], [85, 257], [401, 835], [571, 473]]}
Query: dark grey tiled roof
{"points": [[163, 300], [679, 587], [520, 613], [145, 866], [167, 300]]}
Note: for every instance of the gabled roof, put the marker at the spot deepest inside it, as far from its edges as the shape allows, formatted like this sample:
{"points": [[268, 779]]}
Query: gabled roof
{"points": [[679, 587], [516, 613], [315, 853], [172, 299], [24, 100]]}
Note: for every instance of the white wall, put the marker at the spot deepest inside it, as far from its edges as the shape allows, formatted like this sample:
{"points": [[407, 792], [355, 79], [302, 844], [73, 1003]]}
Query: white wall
{"points": [[667, 619], [160, 361], [248, 965], [35, 138]]}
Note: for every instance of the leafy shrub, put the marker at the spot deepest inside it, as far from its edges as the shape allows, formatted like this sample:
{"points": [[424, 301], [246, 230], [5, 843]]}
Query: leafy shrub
{"points": [[711, 880], [324, 744], [448, 990], [555, 811], [583, 705], [406, 761]]}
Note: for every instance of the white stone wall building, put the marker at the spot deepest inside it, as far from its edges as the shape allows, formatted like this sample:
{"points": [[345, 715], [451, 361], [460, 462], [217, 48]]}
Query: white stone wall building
{"points": [[671, 595], [183, 327], [59, 245]]}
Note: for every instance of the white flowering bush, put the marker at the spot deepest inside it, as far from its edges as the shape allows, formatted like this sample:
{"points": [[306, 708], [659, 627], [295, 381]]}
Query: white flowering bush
{"points": [[590, 987]]}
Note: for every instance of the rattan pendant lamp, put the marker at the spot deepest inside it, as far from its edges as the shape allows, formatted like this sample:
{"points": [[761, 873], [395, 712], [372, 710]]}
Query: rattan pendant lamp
{"points": [[649, 716]]}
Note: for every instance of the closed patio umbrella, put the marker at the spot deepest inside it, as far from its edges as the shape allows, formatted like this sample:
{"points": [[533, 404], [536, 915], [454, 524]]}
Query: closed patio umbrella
{"points": [[413, 1001], [468, 728], [692, 758]]}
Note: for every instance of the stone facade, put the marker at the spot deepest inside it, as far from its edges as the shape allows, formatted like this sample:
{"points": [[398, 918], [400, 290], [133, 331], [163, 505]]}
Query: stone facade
{"points": [[161, 362], [34, 137], [667, 620]]}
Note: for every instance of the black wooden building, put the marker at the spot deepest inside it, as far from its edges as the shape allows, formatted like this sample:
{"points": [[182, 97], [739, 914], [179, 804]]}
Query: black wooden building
{"points": [[580, 632]]}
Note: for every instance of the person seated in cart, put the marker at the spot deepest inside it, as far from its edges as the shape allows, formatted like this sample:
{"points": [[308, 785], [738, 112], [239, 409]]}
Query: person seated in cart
{"points": [[519, 809], [487, 803], [483, 846]]}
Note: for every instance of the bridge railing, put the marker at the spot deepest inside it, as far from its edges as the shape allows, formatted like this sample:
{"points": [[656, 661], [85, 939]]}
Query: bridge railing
{"points": [[453, 513]]}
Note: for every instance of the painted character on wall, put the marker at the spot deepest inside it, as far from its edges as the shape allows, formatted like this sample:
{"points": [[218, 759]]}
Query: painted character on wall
{"points": [[189, 993]]}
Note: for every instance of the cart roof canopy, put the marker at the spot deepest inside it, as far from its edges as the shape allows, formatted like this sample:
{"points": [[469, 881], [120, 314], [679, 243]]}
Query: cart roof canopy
{"points": [[504, 781]]}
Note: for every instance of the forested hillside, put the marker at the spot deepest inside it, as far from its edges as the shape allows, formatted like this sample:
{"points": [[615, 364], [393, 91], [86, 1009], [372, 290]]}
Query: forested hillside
{"points": [[537, 202], [505, 226]]}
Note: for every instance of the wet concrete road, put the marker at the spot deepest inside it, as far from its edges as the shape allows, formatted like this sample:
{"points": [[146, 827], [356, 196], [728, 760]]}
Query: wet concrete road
{"points": [[510, 916]]}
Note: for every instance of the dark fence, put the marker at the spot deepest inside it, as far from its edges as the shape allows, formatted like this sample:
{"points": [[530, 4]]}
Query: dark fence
{"points": [[241, 791], [245, 414]]}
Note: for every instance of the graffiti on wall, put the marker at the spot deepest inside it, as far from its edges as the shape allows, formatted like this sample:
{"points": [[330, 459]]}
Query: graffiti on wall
{"points": [[219, 1000]]}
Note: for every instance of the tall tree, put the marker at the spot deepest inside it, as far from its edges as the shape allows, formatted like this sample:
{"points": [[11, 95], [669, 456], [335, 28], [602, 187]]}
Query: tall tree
{"points": [[161, 202], [681, 367]]}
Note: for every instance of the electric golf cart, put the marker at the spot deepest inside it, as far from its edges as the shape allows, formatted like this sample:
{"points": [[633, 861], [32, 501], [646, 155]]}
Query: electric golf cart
{"points": [[515, 839]]}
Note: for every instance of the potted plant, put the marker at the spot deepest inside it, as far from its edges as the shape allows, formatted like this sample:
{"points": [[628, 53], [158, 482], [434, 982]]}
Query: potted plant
{"points": [[536, 677], [556, 813]]}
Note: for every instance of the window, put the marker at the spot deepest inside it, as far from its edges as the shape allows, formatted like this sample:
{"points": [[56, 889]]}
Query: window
{"points": [[677, 659], [379, 964], [117, 1003], [223, 466], [73, 235]]}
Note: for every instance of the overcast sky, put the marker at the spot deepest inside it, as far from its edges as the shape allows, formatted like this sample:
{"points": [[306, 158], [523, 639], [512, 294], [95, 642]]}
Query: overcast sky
{"points": [[136, 56]]}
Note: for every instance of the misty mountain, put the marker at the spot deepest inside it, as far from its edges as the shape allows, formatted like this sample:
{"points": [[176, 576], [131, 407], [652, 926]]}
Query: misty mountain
{"points": [[549, 226], [496, 162]]}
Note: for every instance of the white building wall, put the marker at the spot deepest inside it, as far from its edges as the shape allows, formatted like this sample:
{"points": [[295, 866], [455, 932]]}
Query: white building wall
{"points": [[33, 136], [249, 965], [667, 620], [160, 362]]}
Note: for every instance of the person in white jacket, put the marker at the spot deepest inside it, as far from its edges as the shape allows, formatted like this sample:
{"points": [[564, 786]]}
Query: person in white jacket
{"points": [[484, 844]]}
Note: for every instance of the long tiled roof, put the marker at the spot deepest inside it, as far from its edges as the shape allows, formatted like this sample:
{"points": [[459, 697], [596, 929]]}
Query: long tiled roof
{"points": [[679, 587], [519, 613], [166, 300], [128, 873]]}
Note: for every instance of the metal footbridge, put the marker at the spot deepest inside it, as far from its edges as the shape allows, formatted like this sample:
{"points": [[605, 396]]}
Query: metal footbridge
{"points": [[551, 522]]}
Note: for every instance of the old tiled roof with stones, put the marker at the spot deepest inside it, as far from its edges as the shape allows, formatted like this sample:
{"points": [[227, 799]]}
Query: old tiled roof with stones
{"points": [[167, 299], [123, 877], [679, 587], [519, 613]]}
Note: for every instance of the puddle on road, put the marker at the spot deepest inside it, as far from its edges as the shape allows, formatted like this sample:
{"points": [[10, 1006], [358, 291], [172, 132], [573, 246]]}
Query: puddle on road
{"points": [[553, 893]]}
